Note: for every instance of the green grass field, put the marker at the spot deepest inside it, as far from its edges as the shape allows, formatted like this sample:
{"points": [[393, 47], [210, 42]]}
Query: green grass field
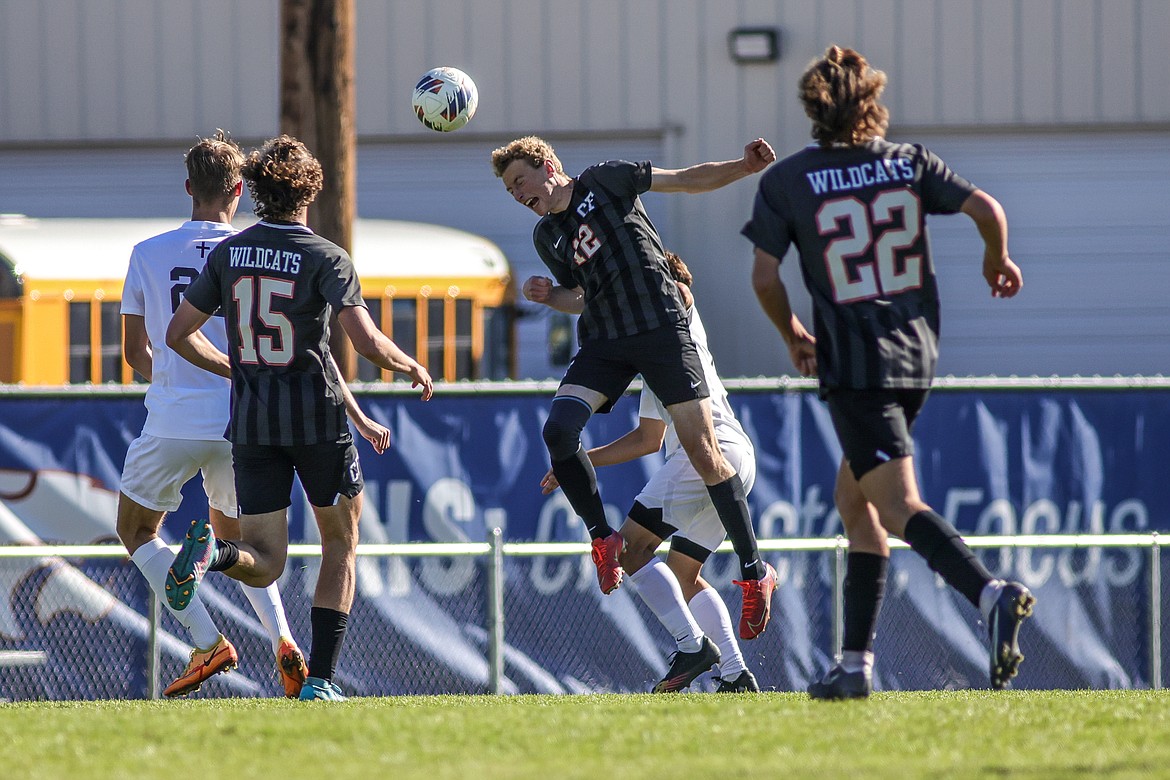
{"points": [[1048, 734]]}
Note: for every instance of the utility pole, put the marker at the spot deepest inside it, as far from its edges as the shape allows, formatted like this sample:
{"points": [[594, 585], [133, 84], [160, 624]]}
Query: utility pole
{"points": [[317, 105]]}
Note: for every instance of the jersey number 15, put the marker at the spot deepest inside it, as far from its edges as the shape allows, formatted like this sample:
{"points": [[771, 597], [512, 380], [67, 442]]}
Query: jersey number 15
{"points": [[270, 350]]}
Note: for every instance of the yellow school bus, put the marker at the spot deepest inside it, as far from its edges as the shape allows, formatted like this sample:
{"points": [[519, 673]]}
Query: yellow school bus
{"points": [[445, 296]]}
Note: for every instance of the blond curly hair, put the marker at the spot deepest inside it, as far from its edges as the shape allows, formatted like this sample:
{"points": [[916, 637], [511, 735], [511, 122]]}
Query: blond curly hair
{"points": [[533, 150]]}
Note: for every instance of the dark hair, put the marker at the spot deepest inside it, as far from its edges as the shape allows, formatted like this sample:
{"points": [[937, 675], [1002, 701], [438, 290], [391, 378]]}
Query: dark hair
{"points": [[678, 269], [840, 94], [213, 167], [283, 177]]}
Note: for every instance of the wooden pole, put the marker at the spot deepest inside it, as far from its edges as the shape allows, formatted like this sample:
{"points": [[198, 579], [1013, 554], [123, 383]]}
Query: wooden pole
{"points": [[317, 105]]}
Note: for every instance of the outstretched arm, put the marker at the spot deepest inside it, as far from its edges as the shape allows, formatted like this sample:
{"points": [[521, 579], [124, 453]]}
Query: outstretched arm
{"points": [[1002, 275], [773, 297], [643, 440], [373, 345], [704, 177], [541, 289], [376, 434]]}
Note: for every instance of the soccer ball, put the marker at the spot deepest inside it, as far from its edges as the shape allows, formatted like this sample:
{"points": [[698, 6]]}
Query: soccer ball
{"points": [[445, 99]]}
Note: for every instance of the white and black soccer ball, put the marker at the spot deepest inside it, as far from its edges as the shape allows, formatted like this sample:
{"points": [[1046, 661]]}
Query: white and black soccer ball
{"points": [[445, 99]]}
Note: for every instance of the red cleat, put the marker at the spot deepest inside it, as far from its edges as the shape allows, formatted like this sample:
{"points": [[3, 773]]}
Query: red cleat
{"points": [[605, 556], [757, 603]]}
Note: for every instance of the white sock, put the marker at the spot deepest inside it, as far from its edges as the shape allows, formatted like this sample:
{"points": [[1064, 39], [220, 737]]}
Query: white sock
{"points": [[713, 618], [658, 587], [270, 609], [153, 559], [988, 596], [857, 661]]}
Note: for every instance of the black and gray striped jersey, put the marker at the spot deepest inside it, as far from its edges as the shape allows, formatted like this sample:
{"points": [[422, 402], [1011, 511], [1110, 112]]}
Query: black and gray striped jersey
{"points": [[605, 244], [857, 215], [278, 285]]}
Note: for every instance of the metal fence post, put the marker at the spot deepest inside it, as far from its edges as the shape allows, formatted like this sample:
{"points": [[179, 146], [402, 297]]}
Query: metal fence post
{"points": [[496, 612], [838, 596], [152, 653], [1155, 612]]}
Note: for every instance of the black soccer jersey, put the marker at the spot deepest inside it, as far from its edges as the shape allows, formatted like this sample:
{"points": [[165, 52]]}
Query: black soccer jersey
{"points": [[857, 216], [605, 244], [278, 286]]}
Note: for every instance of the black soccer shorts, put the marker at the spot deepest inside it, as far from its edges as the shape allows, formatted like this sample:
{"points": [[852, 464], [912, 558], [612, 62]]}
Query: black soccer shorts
{"points": [[873, 426], [264, 474], [666, 358]]}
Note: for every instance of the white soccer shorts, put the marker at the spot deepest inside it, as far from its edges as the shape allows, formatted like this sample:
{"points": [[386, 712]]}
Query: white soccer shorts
{"points": [[156, 470], [678, 490]]}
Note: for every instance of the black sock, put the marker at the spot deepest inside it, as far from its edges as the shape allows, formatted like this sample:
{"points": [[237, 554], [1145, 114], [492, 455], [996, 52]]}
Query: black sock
{"points": [[579, 481], [936, 540], [865, 585], [226, 555], [730, 502], [328, 634]]}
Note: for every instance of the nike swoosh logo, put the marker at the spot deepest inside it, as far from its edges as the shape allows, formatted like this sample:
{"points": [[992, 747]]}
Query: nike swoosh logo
{"points": [[695, 384], [557, 243]]}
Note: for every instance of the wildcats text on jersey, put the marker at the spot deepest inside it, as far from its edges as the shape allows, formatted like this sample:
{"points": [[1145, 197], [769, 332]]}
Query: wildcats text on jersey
{"points": [[855, 177], [265, 258]]}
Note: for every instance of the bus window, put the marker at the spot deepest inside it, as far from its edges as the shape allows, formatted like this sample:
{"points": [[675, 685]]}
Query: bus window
{"points": [[464, 356], [367, 371], [405, 327], [496, 361], [79, 348], [436, 324], [111, 344]]}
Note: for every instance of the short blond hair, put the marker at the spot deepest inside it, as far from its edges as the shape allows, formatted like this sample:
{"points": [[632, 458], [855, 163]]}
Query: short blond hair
{"points": [[213, 167], [532, 149]]}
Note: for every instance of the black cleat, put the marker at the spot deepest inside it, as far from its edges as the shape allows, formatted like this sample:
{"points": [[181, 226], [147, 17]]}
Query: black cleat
{"points": [[1011, 609], [840, 684], [744, 682], [685, 667]]}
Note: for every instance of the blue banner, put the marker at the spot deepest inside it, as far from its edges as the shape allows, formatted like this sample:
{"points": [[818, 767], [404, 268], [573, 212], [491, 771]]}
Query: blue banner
{"points": [[991, 461]]}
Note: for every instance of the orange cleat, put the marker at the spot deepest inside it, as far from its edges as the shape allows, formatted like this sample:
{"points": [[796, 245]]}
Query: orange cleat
{"points": [[605, 557], [202, 666], [757, 604], [290, 664]]}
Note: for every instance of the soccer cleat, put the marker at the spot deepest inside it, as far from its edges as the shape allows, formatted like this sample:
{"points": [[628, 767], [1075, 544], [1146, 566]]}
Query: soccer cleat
{"points": [[605, 557], [290, 664], [744, 682], [839, 684], [190, 564], [202, 666], [1011, 609], [316, 689], [685, 667], [757, 603]]}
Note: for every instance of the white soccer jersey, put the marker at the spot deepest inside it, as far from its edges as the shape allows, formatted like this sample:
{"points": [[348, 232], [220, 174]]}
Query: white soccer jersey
{"points": [[726, 426], [183, 401]]}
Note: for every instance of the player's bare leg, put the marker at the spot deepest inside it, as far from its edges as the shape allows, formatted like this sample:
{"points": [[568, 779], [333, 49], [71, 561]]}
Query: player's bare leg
{"points": [[333, 598], [696, 434], [892, 488], [865, 578], [269, 607]]}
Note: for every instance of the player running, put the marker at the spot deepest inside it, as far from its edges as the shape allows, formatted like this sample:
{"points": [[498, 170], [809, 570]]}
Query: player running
{"points": [[855, 206]]}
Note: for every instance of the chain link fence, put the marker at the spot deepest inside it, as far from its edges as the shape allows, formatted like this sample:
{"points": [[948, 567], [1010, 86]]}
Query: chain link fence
{"points": [[81, 623]]}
